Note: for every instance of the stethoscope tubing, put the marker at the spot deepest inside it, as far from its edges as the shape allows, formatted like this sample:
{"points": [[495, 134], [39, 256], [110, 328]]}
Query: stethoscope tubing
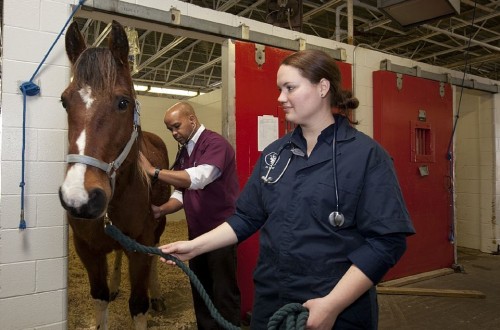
{"points": [[336, 218]]}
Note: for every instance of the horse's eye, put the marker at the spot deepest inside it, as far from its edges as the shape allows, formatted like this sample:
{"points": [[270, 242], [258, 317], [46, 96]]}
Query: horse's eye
{"points": [[122, 104]]}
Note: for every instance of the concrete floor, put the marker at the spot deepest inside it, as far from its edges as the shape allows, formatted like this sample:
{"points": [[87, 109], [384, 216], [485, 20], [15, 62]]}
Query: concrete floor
{"points": [[481, 272]]}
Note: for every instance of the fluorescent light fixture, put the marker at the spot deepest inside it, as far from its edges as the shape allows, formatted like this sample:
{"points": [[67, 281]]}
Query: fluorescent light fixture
{"points": [[171, 91], [161, 90], [415, 12], [141, 88]]}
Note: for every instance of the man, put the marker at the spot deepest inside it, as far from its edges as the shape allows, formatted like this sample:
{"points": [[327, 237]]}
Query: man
{"points": [[204, 174]]}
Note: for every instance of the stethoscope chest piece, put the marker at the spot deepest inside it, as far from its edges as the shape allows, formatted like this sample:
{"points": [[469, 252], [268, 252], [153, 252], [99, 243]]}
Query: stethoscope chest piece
{"points": [[336, 219]]}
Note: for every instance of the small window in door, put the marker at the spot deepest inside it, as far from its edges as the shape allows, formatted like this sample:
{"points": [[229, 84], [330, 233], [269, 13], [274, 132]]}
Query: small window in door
{"points": [[422, 142]]}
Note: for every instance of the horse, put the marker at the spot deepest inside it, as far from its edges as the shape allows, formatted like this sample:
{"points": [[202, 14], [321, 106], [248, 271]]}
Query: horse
{"points": [[104, 180]]}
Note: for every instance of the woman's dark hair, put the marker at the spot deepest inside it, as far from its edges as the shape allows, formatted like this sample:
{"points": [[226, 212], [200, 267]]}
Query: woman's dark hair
{"points": [[315, 65]]}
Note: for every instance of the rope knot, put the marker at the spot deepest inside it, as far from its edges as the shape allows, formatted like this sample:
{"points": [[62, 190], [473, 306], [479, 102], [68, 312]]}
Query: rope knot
{"points": [[29, 88]]}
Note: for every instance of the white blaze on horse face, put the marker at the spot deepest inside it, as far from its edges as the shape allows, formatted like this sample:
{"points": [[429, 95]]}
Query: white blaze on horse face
{"points": [[73, 190], [86, 95]]}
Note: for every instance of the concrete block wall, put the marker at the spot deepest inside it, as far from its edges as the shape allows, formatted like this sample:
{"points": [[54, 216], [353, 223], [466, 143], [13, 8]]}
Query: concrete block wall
{"points": [[468, 172], [33, 262], [487, 173], [495, 239]]}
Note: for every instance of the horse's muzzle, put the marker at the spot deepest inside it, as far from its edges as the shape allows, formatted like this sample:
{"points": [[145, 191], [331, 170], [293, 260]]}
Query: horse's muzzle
{"points": [[94, 208]]}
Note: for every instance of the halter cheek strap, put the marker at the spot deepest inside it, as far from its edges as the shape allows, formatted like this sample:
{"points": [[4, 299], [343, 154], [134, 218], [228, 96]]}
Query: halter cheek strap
{"points": [[110, 168]]}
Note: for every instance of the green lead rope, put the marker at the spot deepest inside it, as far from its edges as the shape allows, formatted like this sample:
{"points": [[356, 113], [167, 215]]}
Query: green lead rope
{"points": [[289, 317]]}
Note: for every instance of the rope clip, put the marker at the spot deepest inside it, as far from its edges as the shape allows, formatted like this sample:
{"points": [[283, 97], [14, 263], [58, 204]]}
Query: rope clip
{"points": [[107, 220]]}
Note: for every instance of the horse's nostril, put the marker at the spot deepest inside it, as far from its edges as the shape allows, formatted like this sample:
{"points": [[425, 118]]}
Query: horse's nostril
{"points": [[97, 203], [93, 209]]}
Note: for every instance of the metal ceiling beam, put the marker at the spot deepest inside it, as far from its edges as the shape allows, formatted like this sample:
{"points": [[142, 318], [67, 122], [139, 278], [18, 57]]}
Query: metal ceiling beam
{"points": [[195, 71], [172, 58], [160, 53], [307, 16], [102, 36], [476, 60], [458, 36], [454, 49]]}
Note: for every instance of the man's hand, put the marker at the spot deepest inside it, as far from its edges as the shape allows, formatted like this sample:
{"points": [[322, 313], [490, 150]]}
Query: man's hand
{"points": [[157, 211]]}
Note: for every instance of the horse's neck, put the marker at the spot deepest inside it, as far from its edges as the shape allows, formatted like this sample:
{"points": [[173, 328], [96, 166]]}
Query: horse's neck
{"points": [[129, 179]]}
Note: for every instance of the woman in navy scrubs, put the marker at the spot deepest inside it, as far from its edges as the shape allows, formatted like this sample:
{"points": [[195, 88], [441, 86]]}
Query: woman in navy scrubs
{"points": [[328, 205]]}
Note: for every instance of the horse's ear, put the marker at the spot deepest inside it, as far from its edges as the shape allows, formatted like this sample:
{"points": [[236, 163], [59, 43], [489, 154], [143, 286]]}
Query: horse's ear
{"points": [[118, 44], [75, 44]]}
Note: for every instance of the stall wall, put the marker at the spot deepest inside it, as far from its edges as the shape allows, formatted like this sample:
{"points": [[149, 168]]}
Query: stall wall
{"points": [[33, 262], [475, 171]]}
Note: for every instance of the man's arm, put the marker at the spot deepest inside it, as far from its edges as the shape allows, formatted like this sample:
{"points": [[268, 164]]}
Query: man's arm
{"points": [[179, 179], [193, 178], [170, 206]]}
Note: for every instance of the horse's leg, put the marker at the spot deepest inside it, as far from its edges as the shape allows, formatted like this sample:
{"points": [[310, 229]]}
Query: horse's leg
{"points": [[116, 276], [139, 269], [157, 303], [97, 268]]}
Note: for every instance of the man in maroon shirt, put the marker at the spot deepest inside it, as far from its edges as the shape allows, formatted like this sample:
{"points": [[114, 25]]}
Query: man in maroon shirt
{"points": [[206, 182]]}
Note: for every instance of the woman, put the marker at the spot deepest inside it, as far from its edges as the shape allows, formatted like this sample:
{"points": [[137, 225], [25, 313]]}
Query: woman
{"points": [[328, 205]]}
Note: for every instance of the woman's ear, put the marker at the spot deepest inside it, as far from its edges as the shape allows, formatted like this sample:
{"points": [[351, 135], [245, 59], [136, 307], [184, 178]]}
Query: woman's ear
{"points": [[324, 87]]}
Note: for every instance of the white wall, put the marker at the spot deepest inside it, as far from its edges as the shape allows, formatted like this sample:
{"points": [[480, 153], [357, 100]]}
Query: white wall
{"points": [[33, 262], [474, 170]]}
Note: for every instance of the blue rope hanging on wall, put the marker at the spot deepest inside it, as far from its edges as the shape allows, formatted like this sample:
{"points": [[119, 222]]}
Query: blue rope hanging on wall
{"points": [[29, 88]]}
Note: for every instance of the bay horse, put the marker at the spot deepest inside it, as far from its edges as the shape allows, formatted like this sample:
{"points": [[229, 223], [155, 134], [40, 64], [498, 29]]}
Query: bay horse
{"points": [[104, 179]]}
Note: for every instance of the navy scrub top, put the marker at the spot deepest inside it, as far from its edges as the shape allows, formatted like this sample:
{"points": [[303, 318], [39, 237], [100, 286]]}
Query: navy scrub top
{"points": [[308, 254]]}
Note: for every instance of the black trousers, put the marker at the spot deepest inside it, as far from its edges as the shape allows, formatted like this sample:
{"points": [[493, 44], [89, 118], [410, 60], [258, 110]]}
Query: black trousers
{"points": [[216, 270]]}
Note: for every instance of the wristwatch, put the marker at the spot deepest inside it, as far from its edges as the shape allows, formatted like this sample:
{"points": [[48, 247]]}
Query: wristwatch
{"points": [[157, 172]]}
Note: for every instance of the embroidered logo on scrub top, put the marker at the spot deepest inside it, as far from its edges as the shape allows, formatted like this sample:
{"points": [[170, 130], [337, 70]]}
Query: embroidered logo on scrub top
{"points": [[271, 159]]}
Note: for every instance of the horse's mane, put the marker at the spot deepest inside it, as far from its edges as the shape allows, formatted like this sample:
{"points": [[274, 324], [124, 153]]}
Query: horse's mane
{"points": [[97, 69]]}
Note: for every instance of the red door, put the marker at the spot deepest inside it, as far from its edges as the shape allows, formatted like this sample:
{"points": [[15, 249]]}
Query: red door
{"points": [[413, 120], [257, 95]]}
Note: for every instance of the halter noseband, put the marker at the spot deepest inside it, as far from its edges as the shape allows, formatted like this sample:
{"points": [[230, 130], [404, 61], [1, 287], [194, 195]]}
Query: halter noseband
{"points": [[111, 168]]}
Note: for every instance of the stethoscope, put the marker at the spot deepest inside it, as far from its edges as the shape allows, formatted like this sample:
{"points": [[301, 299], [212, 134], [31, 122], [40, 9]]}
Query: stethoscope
{"points": [[336, 218], [180, 147]]}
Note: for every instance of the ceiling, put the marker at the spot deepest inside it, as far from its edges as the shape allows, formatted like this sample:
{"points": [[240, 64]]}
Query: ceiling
{"points": [[469, 41]]}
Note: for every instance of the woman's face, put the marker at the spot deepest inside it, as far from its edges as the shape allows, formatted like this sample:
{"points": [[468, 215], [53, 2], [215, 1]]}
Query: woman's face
{"points": [[301, 100]]}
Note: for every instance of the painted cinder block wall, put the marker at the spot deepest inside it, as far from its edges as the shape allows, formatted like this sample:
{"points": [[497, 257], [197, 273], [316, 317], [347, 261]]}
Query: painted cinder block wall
{"points": [[33, 262]]}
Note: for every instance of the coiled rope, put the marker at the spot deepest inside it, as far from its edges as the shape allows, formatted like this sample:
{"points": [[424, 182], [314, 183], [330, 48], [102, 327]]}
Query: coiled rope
{"points": [[29, 88], [289, 317]]}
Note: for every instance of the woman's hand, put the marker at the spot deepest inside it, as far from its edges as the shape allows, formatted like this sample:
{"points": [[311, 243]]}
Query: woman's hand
{"points": [[321, 315], [182, 250]]}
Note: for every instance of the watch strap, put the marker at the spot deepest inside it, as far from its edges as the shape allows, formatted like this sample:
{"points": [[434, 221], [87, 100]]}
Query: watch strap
{"points": [[157, 173]]}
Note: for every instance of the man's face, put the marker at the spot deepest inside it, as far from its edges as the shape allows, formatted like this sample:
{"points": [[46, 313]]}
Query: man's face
{"points": [[182, 127]]}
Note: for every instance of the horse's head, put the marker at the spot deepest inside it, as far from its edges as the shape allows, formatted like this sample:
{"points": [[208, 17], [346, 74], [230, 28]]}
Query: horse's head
{"points": [[101, 108]]}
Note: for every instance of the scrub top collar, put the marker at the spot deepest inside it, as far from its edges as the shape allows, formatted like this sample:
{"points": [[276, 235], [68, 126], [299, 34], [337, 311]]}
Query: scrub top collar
{"points": [[345, 132]]}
